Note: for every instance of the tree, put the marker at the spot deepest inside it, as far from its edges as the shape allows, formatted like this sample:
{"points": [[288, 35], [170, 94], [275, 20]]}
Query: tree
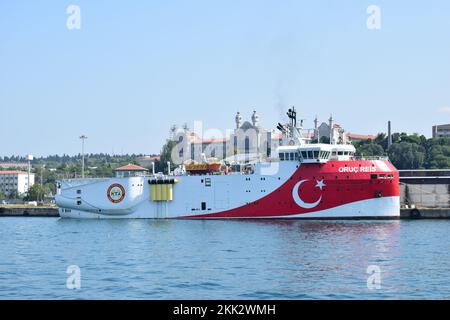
{"points": [[13, 195], [371, 149], [439, 162], [414, 138], [438, 155], [381, 140], [166, 156], [37, 192], [406, 155]]}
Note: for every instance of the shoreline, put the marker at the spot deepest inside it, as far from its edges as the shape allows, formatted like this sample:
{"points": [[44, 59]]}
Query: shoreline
{"points": [[52, 211], [28, 211]]}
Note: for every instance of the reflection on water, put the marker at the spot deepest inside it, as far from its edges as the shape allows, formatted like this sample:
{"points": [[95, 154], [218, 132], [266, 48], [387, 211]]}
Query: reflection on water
{"points": [[240, 259]]}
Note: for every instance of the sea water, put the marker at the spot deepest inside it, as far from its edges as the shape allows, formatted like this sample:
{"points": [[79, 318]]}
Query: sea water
{"points": [[52, 258]]}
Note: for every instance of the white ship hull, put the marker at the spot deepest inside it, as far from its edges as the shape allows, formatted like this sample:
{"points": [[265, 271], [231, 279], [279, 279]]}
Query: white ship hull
{"points": [[280, 190], [386, 208]]}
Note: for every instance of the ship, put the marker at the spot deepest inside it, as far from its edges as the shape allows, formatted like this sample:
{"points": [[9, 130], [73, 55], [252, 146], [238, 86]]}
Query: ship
{"points": [[303, 180]]}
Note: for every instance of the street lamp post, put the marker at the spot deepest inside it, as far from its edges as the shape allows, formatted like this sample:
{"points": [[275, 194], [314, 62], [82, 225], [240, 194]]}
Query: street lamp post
{"points": [[82, 137], [29, 159], [42, 182]]}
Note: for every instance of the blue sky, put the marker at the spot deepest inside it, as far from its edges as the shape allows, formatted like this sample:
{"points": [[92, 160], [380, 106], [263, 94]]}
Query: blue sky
{"points": [[137, 67]]}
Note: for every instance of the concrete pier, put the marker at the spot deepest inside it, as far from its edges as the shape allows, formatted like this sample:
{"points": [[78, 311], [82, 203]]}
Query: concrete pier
{"points": [[29, 212], [425, 194], [425, 213], [405, 213]]}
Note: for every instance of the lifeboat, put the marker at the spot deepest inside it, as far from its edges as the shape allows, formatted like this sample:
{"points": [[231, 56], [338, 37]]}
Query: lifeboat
{"points": [[203, 168]]}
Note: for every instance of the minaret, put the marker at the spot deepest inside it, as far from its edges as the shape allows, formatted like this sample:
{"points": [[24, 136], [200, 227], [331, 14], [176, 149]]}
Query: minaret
{"points": [[173, 130], [238, 120], [255, 119], [316, 127], [389, 134], [255, 122], [331, 123]]}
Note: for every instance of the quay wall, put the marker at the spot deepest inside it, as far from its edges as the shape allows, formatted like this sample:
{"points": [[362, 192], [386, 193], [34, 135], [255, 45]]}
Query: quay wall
{"points": [[29, 212], [425, 195]]}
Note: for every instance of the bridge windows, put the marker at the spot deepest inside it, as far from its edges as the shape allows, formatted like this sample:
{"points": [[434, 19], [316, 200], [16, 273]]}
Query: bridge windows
{"points": [[288, 156], [307, 153], [315, 154], [324, 154]]}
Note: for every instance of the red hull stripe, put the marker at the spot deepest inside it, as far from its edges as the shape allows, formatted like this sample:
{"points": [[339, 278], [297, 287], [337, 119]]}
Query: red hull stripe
{"points": [[320, 187]]}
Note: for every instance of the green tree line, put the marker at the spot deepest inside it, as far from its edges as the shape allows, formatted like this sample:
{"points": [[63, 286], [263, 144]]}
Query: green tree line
{"points": [[409, 151]]}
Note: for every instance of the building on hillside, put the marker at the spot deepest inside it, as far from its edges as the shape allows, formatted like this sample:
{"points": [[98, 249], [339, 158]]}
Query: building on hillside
{"points": [[441, 131], [15, 165], [248, 138], [130, 170], [355, 137], [147, 161], [337, 134], [15, 181], [331, 131]]}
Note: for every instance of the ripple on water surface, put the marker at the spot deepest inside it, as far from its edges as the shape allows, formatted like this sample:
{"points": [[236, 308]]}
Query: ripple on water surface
{"points": [[179, 259]]}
